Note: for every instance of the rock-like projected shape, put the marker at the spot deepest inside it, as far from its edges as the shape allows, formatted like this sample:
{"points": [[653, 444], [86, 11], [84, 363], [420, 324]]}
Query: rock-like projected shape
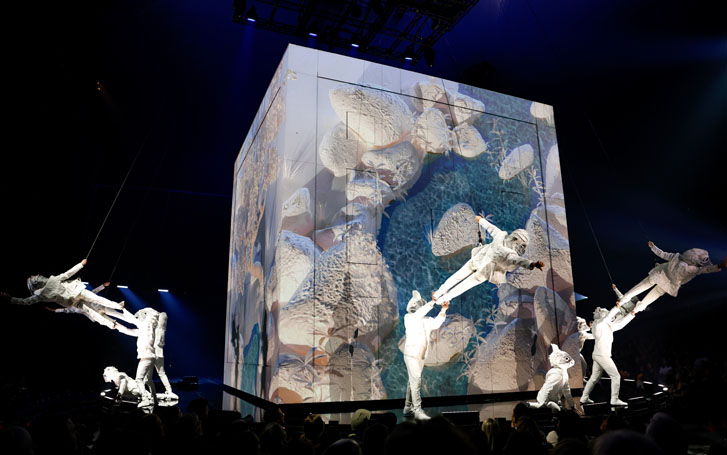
{"points": [[353, 374], [455, 231], [293, 381], [431, 133], [294, 259], [296, 213], [398, 165], [340, 150], [519, 159], [468, 141], [426, 95], [447, 341], [378, 117], [553, 180], [542, 111], [537, 249], [351, 289], [367, 189], [502, 363], [513, 303], [549, 309], [466, 109]]}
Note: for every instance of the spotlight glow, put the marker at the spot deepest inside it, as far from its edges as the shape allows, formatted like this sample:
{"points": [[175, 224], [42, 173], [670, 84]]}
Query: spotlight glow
{"points": [[250, 19], [354, 45], [408, 58], [163, 290], [121, 286], [312, 34]]}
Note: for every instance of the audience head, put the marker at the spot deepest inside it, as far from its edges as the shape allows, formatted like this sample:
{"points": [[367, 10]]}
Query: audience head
{"points": [[624, 442]]}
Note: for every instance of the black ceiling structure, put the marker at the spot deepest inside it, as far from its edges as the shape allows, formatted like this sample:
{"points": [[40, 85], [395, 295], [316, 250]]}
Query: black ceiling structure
{"points": [[390, 29]]}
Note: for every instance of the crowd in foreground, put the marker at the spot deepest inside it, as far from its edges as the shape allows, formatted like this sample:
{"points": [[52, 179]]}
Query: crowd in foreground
{"points": [[168, 431]]}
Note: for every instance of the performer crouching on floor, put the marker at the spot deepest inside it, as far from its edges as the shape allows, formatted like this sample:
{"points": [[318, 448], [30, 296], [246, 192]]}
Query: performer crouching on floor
{"points": [[418, 327]]}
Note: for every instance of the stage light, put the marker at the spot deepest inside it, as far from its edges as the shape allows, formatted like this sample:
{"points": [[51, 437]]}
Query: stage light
{"points": [[409, 52], [313, 31], [163, 290], [251, 14], [121, 286], [354, 45], [85, 283]]}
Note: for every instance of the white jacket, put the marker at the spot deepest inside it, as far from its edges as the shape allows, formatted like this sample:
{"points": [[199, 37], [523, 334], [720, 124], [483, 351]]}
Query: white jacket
{"points": [[493, 260], [555, 387], [418, 328], [59, 289], [603, 331], [671, 275]]}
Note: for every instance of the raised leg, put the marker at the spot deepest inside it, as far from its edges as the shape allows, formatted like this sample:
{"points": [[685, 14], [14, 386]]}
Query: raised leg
{"points": [[654, 294], [459, 275], [98, 318], [459, 289], [642, 286], [88, 296]]}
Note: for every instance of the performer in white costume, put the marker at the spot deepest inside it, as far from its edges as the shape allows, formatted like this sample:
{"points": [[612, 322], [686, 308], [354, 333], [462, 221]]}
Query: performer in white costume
{"points": [[98, 313], [668, 277], [159, 338], [556, 389], [489, 262], [418, 328], [68, 293], [584, 333], [146, 323], [124, 383], [603, 328]]}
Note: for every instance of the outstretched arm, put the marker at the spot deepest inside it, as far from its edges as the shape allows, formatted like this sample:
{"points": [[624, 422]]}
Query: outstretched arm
{"points": [[426, 308], [74, 270], [487, 226], [621, 323], [662, 254], [618, 293], [26, 301], [437, 322], [713, 268], [101, 288]]}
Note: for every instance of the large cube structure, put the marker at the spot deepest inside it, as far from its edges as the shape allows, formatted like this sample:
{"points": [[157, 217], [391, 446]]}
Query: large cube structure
{"points": [[359, 183]]}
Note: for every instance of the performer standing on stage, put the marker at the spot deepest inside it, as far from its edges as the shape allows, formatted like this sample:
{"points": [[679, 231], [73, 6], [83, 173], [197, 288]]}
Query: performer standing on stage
{"points": [[668, 277], [418, 328], [489, 262], [603, 328]]}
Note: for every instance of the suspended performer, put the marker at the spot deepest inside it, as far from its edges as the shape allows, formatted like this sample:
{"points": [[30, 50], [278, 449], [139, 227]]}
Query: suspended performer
{"points": [[668, 277], [418, 327], [489, 262], [98, 313], [66, 292]]}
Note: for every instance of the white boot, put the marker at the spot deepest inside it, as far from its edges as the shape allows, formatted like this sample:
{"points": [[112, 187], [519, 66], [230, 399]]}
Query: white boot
{"points": [[585, 399], [421, 415], [617, 402]]}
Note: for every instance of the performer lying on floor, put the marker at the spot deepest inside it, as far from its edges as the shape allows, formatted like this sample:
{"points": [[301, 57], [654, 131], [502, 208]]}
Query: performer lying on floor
{"points": [[489, 262]]}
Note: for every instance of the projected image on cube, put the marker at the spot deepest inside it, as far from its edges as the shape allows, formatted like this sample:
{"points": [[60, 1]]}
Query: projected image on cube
{"points": [[359, 183]]}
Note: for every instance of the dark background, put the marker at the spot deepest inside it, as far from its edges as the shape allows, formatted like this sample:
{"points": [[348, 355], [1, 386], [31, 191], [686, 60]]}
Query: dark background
{"points": [[640, 97]]}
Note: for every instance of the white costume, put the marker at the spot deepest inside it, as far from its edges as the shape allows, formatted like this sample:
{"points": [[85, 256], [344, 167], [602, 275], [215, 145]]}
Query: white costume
{"points": [[603, 328], [556, 389], [669, 276], [98, 313], [146, 321], [584, 333], [124, 383], [418, 328], [159, 338], [489, 262], [68, 293]]}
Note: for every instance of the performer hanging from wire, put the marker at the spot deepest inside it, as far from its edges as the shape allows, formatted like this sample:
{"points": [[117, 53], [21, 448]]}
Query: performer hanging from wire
{"points": [[668, 277], [98, 313], [603, 328], [66, 292], [489, 262]]}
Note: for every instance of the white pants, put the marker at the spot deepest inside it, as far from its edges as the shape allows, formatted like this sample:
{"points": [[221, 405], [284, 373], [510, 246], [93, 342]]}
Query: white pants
{"points": [[414, 367], [159, 366], [601, 364], [89, 297], [460, 282], [645, 284], [144, 373]]}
